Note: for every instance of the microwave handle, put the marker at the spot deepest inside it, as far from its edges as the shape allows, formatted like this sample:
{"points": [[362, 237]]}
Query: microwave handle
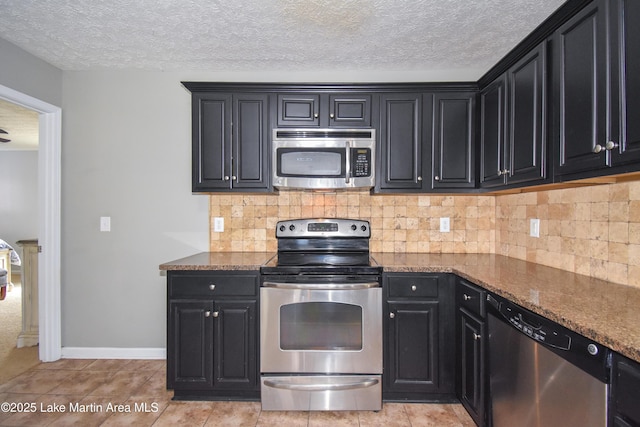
{"points": [[347, 171]]}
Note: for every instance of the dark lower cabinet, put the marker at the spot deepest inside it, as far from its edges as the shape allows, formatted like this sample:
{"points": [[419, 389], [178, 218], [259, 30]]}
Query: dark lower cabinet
{"points": [[418, 345], [212, 335], [624, 410], [471, 351]]}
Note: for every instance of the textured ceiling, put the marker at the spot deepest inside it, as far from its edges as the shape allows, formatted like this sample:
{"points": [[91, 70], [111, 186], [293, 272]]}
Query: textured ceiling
{"points": [[274, 35]]}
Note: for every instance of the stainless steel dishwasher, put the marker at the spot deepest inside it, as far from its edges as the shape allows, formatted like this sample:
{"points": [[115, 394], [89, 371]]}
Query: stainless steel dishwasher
{"points": [[542, 374]]}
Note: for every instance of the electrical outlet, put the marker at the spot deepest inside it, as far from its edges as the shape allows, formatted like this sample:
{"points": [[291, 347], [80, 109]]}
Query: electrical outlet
{"points": [[444, 225], [534, 227], [105, 223], [218, 224]]}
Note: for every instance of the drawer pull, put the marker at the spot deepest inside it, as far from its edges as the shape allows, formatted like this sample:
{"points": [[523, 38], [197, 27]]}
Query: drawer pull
{"points": [[476, 336], [413, 288], [466, 297], [216, 313], [392, 315], [207, 314], [212, 286]]}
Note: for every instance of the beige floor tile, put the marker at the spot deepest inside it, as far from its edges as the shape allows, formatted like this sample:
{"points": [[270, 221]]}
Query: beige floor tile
{"points": [[184, 414], [283, 418], [433, 415], [145, 365], [91, 411], [108, 365], [463, 415], [137, 412], [122, 384], [234, 414], [48, 408], [333, 419], [38, 382], [81, 382], [391, 415], [13, 398], [66, 364], [156, 386]]}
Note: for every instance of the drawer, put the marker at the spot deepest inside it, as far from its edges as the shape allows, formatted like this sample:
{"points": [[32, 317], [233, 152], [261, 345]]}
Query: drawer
{"points": [[471, 297], [413, 286], [212, 285]]}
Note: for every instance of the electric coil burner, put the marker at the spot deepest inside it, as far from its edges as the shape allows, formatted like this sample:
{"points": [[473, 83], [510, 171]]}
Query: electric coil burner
{"points": [[321, 318]]}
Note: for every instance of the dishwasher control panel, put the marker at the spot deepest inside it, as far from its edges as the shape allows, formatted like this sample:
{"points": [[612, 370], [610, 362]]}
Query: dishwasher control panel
{"points": [[537, 328]]}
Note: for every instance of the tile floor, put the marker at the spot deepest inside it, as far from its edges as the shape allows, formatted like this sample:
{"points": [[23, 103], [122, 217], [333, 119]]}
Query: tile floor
{"points": [[133, 393]]}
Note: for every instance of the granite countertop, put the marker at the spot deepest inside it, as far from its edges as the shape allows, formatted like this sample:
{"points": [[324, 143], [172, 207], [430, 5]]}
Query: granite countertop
{"points": [[605, 312]]}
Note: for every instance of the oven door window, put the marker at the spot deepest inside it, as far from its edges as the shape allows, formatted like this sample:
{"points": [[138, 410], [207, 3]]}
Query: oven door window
{"points": [[311, 162], [318, 326]]}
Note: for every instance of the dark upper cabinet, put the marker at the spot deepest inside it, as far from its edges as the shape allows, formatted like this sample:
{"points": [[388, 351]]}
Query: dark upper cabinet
{"points": [[230, 142], [580, 90], [453, 140], [625, 82], [401, 138], [513, 140], [597, 91], [343, 110]]}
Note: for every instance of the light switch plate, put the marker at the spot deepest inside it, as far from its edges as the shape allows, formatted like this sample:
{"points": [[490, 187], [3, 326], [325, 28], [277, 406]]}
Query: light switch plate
{"points": [[444, 225], [534, 227], [218, 224], [105, 223]]}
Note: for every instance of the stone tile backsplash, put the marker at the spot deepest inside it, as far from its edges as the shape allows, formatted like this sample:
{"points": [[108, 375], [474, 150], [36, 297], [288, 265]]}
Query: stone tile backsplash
{"points": [[593, 230]]}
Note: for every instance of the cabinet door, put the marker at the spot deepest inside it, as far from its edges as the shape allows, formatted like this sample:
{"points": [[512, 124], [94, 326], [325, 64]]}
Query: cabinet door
{"points": [[235, 352], [472, 366], [401, 142], [525, 155], [492, 134], [453, 140], [625, 63], [625, 392], [190, 345], [412, 351], [211, 141], [299, 109], [250, 141], [350, 110], [580, 84]]}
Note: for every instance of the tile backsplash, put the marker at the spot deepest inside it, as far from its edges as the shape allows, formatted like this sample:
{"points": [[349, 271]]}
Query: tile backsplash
{"points": [[592, 230]]}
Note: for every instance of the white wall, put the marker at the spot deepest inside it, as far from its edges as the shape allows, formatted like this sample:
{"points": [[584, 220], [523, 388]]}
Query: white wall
{"points": [[18, 196]]}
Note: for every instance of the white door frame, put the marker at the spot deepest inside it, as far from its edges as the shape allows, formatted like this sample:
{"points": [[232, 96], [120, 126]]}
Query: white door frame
{"points": [[49, 154]]}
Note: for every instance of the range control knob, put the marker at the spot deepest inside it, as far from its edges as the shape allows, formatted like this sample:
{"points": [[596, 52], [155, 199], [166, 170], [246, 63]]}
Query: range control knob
{"points": [[363, 228], [592, 349], [353, 227], [282, 228], [292, 227]]}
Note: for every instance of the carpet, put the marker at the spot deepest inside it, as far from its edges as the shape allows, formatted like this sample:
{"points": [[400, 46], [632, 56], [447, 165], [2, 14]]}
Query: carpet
{"points": [[13, 361]]}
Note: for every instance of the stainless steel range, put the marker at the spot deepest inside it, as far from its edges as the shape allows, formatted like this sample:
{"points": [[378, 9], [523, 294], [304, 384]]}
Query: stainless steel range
{"points": [[321, 319]]}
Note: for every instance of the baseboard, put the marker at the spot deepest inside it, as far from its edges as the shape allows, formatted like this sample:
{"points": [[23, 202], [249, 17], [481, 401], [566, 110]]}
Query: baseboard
{"points": [[113, 353]]}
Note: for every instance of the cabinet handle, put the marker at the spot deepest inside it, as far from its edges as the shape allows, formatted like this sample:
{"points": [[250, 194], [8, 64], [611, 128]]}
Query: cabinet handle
{"points": [[234, 178], [207, 313], [466, 297], [315, 115], [598, 148], [437, 178], [476, 336], [419, 178], [392, 315], [505, 172], [331, 115], [610, 145], [212, 286], [226, 177], [216, 313], [413, 288]]}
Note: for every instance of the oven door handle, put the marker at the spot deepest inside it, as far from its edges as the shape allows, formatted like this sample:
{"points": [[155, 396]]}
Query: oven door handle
{"points": [[322, 286], [321, 387]]}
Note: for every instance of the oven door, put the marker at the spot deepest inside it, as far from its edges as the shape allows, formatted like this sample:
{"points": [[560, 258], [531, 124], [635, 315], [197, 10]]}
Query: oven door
{"points": [[321, 328]]}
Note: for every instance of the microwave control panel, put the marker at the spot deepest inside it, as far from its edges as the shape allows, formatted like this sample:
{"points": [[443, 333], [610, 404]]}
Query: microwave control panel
{"points": [[360, 162]]}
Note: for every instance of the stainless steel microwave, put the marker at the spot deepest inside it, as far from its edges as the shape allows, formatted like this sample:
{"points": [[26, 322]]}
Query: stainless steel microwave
{"points": [[323, 158]]}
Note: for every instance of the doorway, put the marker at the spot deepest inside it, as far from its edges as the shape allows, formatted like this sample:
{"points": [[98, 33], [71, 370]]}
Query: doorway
{"points": [[49, 171]]}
